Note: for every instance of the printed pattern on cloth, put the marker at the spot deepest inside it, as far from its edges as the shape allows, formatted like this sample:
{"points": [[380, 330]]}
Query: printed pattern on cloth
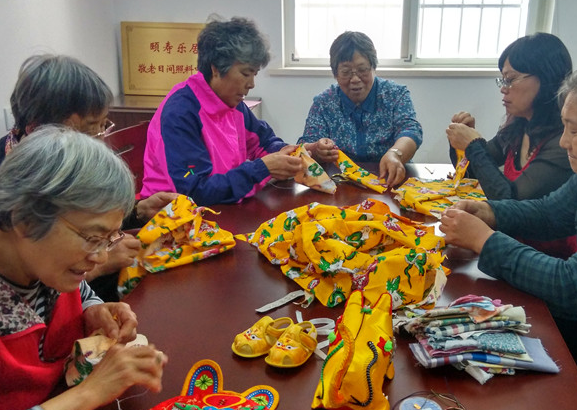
{"points": [[177, 235], [358, 174], [17, 315], [313, 175], [433, 196], [331, 251]]}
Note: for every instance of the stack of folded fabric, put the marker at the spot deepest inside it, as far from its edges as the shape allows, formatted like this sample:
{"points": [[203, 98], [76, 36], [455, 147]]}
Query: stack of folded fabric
{"points": [[479, 335]]}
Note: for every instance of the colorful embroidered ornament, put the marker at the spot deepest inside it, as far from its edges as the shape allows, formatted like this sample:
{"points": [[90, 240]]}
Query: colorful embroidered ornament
{"points": [[203, 390], [432, 197], [359, 357], [177, 235], [358, 174], [331, 251], [313, 175]]}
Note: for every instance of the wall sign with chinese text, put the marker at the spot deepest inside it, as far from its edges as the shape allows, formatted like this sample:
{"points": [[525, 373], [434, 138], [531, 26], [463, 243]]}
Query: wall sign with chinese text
{"points": [[156, 56]]}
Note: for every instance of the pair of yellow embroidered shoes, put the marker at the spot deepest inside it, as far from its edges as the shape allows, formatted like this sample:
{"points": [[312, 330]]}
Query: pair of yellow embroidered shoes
{"points": [[285, 343]]}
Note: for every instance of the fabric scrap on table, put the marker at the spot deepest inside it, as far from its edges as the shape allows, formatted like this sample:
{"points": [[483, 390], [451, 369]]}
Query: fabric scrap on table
{"points": [[477, 334], [542, 362]]}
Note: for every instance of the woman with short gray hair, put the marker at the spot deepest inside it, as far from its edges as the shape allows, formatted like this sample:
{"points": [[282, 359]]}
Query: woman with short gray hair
{"points": [[204, 141], [58, 89], [60, 215]]}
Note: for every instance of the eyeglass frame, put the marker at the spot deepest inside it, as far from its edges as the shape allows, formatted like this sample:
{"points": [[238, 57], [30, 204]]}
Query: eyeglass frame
{"points": [[108, 126], [509, 82], [104, 243], [359, 73]]}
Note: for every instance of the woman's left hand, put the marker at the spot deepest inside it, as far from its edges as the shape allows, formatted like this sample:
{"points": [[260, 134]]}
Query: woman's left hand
{"points": [[392, 169], [116, 320]]}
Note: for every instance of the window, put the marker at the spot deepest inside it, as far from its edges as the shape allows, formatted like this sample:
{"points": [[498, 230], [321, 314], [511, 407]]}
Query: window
{"points": [[425, 33]]}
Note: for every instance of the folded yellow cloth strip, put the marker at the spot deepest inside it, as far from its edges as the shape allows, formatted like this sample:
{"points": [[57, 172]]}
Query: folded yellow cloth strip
{"points": [[358, 174]]}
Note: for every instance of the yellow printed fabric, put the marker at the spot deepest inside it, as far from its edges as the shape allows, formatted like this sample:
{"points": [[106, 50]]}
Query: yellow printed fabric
{"points": [[177, 235], [331, 251], [432, 197], [358, 174], [313, 175], [360, 356]]}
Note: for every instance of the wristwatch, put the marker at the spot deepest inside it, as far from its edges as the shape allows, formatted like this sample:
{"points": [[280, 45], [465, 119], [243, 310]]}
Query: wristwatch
{"points": [[398, 152]]}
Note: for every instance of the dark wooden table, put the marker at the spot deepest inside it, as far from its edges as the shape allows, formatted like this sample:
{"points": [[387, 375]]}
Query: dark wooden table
{"points": [[194, 312]]}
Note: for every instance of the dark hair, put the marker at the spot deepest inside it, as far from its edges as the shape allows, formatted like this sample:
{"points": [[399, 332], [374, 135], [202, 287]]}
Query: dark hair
{"points": [[345, 46], [222, 43], [51, 88], [546, 57]]}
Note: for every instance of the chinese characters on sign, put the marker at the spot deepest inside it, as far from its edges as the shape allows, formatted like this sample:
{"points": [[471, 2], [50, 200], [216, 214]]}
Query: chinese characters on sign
{"points": [[156, 56]]}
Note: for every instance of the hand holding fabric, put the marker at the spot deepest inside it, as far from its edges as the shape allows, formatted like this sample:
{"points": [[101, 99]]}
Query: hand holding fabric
{"points": [[122, 367], [148, 207], [281, 165], [464, 229], [121, 256], [392, 169], [116, 320], [461, 135], [324, 150]]}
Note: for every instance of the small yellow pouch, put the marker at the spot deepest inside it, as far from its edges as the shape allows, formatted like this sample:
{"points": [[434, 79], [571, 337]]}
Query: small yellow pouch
{"points": [[359, 357], [175, 236]]}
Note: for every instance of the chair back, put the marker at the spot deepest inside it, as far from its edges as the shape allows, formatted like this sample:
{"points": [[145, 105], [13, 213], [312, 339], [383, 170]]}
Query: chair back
{"points": [[129, 143]]}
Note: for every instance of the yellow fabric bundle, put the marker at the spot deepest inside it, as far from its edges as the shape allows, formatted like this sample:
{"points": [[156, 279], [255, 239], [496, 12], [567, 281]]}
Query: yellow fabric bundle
{"points": [[432, 197], [177, 235], [331, 251]]}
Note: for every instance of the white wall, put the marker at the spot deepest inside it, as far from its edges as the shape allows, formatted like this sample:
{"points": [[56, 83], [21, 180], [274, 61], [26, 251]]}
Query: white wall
{"points": [[90, 31]]}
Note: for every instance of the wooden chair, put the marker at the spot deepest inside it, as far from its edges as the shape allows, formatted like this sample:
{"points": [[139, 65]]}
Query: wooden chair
{"points": [[129, 144]]}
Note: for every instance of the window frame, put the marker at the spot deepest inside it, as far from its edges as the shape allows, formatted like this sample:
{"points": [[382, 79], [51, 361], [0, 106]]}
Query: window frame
{"points": [[539, 18]]}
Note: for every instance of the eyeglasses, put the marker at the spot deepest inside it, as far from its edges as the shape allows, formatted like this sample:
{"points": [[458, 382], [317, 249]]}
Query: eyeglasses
{"points": [[508, 82], [108, 126], [347, 73], [95, 244]]}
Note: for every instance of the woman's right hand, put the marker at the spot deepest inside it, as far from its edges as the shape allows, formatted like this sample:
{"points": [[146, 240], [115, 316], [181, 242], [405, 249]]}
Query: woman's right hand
{"points": [[122, 367], [281, 165], [461, 135], [463, 117], [324, 150]]}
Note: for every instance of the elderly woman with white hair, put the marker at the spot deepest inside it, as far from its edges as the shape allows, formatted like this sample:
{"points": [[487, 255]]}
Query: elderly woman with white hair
{"points": [[59, 216]]}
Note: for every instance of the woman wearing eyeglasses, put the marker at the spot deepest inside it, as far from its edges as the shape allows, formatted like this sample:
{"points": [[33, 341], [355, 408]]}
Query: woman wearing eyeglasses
{"points": [[369, 118], [489, 228], [58, 89], [527, 144], [60, 214]]}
